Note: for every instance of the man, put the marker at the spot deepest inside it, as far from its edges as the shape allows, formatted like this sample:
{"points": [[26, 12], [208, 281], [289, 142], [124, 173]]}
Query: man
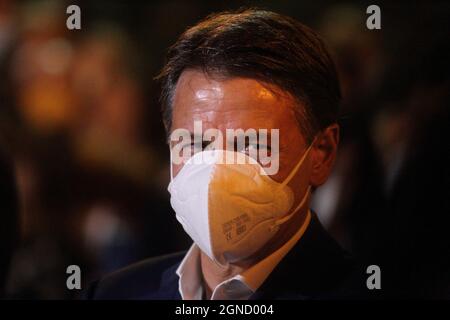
{"points": [[254, 235]]}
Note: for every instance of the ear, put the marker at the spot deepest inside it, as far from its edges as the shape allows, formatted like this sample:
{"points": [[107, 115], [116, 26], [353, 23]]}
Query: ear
{"points": [[323, 155]]}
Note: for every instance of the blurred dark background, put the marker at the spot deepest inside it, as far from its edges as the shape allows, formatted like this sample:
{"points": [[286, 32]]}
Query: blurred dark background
{"points": [[83, 148]]}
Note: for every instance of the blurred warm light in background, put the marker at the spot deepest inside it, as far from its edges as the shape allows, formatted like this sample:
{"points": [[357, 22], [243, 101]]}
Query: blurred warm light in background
{"points": [[80, 114]]}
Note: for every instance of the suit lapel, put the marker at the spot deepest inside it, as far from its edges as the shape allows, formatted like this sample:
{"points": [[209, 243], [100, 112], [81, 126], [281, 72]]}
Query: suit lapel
{"points": [[313, 269], [168, 289], [310, 270]]}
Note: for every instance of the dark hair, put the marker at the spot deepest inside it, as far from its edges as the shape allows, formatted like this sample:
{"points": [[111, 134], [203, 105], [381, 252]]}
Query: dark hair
{"points": [[265, 46]]}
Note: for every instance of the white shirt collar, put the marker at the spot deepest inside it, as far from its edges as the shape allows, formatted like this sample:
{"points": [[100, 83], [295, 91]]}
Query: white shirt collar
{"points": [[239, 287]]}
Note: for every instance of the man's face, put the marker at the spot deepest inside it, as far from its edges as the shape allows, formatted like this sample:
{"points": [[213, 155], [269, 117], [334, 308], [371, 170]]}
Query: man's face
{"points": [[243, 103]]}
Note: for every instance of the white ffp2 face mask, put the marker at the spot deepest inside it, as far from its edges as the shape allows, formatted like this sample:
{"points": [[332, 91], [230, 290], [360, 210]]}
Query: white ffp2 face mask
{"points": [[231, 210]]}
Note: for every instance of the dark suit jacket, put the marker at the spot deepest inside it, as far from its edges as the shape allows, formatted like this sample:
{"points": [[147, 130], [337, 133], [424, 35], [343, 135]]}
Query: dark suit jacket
{"points": [[315, 268]]}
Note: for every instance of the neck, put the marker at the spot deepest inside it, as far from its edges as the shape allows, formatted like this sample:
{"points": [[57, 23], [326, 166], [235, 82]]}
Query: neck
{"points": [[214, 273], [285, 233]]}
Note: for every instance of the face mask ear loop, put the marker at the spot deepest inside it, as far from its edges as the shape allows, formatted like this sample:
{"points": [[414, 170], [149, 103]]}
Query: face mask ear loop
{"points": [[289, 216], [294, 171]]}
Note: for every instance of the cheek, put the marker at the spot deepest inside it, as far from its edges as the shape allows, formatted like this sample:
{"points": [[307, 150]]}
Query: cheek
{"points": [[300, 181], [289, 155], [283, 168], [176, 168]]}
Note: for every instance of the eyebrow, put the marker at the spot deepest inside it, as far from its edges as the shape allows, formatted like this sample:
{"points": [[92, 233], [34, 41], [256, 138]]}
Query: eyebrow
{"points": [[268, 134]]}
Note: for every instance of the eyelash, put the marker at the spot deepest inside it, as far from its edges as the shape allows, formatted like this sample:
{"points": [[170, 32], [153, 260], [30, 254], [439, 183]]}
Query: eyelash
{"points": [[205, 144]]}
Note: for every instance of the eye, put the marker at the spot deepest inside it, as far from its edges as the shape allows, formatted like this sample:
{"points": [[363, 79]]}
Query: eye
{"points": [[250, 148], [206, 145], [257, 147], [258, 152], [197, 147]]}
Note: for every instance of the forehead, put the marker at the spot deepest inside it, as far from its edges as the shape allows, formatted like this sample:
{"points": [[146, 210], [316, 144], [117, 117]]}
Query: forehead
{"points": [[230, 103]]}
